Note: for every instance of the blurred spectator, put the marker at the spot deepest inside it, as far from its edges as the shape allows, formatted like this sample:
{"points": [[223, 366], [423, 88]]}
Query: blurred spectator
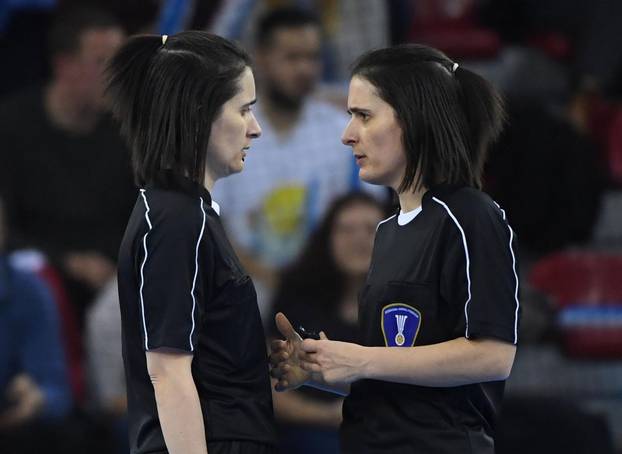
{"points": [[34, 389], [548, 176], [320, 291], [103, 333], [299, 166], [105, 362], [64, 172], [350, 27]]}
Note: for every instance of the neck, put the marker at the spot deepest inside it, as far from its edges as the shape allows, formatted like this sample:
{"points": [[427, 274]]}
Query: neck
{"points": [[410, 200], [66, 112], [208, 182]]}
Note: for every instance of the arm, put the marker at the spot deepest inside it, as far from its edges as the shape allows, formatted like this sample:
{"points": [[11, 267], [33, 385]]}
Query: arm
{"points": [[296, 408], [179, 408], [452, 363]]}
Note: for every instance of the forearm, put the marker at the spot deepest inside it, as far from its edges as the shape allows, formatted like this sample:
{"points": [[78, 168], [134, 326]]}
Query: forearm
{"points": [[181, 418], [294, 408], [453, 363]]}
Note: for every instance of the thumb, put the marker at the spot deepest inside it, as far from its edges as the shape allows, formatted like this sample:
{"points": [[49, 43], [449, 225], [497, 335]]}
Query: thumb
{"points": [[285, 327], [323, 336]]}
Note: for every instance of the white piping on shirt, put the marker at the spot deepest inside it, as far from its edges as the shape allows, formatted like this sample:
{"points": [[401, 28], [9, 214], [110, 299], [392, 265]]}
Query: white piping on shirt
{"points": [[386, 220], [468, 263], [196, 271], [142, 267]]}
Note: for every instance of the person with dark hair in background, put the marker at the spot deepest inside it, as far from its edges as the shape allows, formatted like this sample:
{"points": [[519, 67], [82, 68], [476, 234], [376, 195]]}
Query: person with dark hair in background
{"points": [[64, 170], [193, 344], [320, 290], [439, 310]]}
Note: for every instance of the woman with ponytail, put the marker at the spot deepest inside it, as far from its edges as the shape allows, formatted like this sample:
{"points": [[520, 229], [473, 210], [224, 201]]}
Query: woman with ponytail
{"points": [[193, 343], [438, 315]]}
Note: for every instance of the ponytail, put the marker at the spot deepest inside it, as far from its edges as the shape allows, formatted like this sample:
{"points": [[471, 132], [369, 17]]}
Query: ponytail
{"points": [[485, 115], [127, 75]]}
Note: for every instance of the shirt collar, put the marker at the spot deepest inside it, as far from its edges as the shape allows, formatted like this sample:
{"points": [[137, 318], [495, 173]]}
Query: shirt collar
{"points": [[167, 179]]}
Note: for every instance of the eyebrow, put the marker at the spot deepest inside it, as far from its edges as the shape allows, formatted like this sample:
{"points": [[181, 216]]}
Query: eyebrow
{"points": [[358, 110]]}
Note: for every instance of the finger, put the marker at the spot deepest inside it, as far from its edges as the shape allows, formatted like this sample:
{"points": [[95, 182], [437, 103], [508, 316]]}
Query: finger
{"points": [[308, 358], [277, 345], [286, 328], [281, 386], [311, 367], [277, 358], [323, 336], [310, 345], [276, 372]]}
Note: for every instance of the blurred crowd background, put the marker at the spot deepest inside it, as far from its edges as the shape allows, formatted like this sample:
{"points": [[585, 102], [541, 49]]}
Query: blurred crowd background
{"points": [[300, 219]]}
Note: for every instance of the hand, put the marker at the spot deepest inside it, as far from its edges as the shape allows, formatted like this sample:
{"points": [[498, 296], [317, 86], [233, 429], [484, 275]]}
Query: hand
{"points": [[284, 357], [27, 399], [91, 268], [334, 362]]}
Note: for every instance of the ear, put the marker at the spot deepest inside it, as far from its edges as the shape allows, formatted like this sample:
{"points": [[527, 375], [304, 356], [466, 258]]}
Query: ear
{"points": [[63, 64]]}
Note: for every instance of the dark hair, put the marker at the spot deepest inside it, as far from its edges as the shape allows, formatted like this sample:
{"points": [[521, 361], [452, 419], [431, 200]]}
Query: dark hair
{"points": [[314, 275], [448, 116], [285, 17], [167, 96], [70, 23]]}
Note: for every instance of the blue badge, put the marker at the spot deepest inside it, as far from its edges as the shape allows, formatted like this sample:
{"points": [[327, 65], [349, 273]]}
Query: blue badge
{"points": [[400, 325]]}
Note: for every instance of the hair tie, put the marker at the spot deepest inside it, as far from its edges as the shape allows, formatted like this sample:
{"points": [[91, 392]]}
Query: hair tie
{"points": [[454, 67], [164, 38]]}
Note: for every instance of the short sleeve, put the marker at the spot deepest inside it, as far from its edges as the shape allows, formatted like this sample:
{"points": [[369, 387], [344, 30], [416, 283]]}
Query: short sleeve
{"points": [[170, 277], [479, 270]]}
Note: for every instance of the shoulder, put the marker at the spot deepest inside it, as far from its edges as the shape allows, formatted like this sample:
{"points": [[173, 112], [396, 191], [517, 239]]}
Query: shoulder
{"points": [[468, 207], [173, 209]]}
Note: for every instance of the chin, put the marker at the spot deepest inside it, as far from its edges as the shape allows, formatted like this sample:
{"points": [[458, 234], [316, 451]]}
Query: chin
{"points": [[371, 179]]}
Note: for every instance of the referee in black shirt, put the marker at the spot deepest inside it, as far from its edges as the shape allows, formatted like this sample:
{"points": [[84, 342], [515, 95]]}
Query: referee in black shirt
{"points": [[193, 343], [438, 315]]}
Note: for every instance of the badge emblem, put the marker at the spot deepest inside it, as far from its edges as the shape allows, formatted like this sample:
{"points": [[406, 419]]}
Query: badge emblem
{"points": [[400, 325]]}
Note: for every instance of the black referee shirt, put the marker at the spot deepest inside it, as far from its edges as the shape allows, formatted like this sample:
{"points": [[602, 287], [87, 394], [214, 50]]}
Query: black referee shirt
{"points": [[448, 273], [181, 286]]}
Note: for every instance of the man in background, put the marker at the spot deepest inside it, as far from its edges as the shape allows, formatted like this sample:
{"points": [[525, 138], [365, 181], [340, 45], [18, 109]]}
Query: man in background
{"points": [[64, 171], [299, 165]]}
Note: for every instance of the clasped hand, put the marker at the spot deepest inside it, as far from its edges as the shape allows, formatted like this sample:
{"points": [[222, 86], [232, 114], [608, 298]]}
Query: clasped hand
{"points": [[295, 362]]}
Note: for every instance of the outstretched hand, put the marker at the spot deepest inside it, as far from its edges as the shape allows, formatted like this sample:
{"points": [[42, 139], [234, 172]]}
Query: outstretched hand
{"points": [[285, 357]]}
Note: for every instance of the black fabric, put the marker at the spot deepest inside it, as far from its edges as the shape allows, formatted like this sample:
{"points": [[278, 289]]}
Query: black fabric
{"points": [[181, 284], [240, 447], [63, 192], [423, 264]]}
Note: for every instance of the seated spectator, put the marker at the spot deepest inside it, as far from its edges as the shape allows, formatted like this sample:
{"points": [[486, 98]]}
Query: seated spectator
{"points": [[105, 361], [34, 387], [64, 171], [321, 290]]}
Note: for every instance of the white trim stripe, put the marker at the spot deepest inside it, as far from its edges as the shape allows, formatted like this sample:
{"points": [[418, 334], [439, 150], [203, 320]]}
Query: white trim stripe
{"points": [[386, 220], [516, 289], [500, 209], [468, 263], [142, 267], [196, 272]]}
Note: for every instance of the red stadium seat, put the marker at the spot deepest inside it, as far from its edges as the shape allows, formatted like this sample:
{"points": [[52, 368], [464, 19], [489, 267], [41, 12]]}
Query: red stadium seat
{"points": [[586, 288], [451, 26]]}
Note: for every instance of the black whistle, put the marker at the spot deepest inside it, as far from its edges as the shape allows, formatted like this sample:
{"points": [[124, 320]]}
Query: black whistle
{"points": [[307, 334]]}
